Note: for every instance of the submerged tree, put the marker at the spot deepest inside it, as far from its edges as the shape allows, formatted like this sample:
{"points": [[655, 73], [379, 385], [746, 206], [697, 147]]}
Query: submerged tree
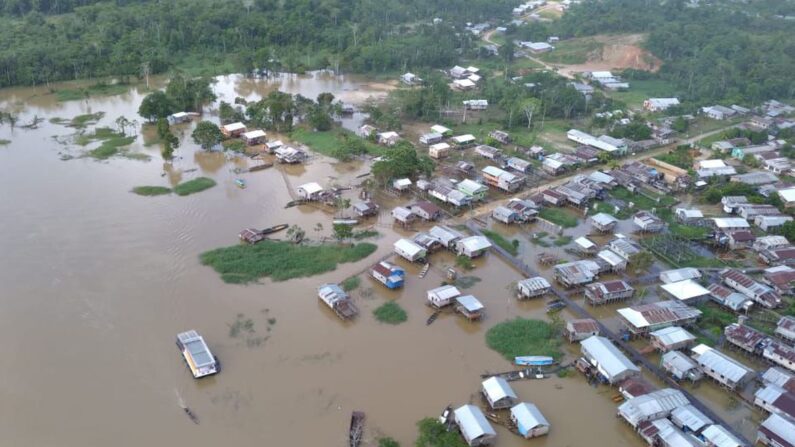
{"points": [[207, 135]]}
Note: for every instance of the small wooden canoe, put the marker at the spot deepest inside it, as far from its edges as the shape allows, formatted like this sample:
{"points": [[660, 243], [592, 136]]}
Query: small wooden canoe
{"points": [[274, 229]]}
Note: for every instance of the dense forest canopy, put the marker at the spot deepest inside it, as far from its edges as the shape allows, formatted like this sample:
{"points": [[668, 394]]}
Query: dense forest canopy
{"points": [[722, 51], [48, 40]]}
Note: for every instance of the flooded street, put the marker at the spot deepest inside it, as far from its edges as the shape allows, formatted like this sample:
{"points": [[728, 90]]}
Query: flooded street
{"points": [[95, 283]]}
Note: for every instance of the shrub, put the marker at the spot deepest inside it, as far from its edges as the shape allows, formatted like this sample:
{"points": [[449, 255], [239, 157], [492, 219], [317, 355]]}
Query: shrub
{"points": [[390, 313]]}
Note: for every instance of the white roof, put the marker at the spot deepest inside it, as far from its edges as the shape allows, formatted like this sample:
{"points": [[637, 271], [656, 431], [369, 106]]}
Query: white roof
{"points": [[528, 415], [234, 126], [464, 83], [472, 422], [787, 195], [463, 138], [690, 213], [311, 188], [782, 427], [656, 403], [497, 388], [719, 436], [601, 177], [610, 257], [603, 219], [401, 182], [445, 292], [673, 335], [475, 243], [408, 247], [259, 133], [179, 115], [685, 290], [439, 146], [611, 361], [470, 303], [440, 129], [678, 361], [731, 222], [584, 242], [712, 164], [676, 275], [720, 363], [387, 135], [601, 74], [499, 173], [535, 283]]}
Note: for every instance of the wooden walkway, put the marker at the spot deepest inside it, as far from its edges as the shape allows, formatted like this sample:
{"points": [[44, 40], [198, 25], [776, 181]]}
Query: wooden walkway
{"points": [[633, 353]]}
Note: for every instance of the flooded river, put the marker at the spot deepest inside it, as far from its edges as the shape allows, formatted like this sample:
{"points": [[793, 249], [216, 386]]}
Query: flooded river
{"points": [[95, 283]]}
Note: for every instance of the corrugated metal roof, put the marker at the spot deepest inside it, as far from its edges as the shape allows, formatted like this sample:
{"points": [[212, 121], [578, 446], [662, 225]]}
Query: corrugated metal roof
{"points": [[475, 243], [676, 275], [782, 428], [685, 290], [656, 404], [609, 358], [472, 422], [690, 417], [470, 303], [528, 415], [497, 388], [534, 284], [673, 335], [712, 359], [719, 436]]}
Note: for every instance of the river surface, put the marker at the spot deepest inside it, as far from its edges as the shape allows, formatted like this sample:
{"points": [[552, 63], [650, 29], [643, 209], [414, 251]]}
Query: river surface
{"points": [[95, 283]]}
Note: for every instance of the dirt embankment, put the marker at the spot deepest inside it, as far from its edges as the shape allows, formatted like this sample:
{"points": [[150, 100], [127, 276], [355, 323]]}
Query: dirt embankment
{"points": [[617, 53]]}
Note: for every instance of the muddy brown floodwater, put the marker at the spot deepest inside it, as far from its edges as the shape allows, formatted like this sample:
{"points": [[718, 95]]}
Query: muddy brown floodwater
{"points": [[95, 283]]}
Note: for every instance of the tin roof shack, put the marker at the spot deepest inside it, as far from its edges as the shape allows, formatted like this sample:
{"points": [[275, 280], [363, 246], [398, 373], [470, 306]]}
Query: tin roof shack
{"points": [[519, 165], [532, 287], [662, 432], [677, 275], [473, 425], [585, 246], [687, 291], [746, 338], [624, 247], [721, 368], [403, 216], [655, 405], [640, 320], [503, 180], [671, 338], [553, 197], [473, 246], [310, 191], [431, 138], [611, 363], [438, 128], [255, 137], [472, 189], [410, 251], [402, 184], [635, 386], [688, 216], [680, 366], [558, 163], [529, 421], [470, 307], [778, 256], [498, 393], [774, 399], [463, 141], [488, 152], [740, 239], [719, 436], [577, 193], [780, 378], [475, 104], [388, 274], [768, 242], [608, 292], [780, 354], [603, 222], [439, 150], [730, 299], [777, 431], [426, 210], [690, 419], [505, 215], [648, 222], [387, 138], [449, 195], [742, 283], [289, 155], [365, 208], [443, 296], [447, 236], [771, 223], [180, 117], [500, 136], [576, 273], [233, 130], [786, 328], [337, 300], [580, 329], [366, 131]]}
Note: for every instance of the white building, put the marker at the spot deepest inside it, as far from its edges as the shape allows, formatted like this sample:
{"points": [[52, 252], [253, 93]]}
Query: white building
{"points": [[443, 296], [409, 250], [498, 393], [659, 104], [473, 425], [611, 363], [529, 421]]}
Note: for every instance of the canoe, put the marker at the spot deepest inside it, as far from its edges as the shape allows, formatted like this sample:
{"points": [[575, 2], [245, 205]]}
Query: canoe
{"points": [[534, 360], [274, 229], [240, 183]]}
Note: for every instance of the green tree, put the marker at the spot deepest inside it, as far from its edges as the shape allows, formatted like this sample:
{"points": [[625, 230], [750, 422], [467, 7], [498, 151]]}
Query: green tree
{"points": [[156, 105], [641, 261], [434, 434], [342, 232], [402, 161], [680, 124], [228, 114], [320, 120], [207, 135]]}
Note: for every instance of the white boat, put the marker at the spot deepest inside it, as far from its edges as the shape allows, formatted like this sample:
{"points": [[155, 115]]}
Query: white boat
{"points": [[197, 355], [534, 360]]}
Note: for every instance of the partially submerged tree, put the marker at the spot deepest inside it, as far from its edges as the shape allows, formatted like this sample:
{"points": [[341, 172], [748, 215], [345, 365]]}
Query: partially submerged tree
{"points": [[156, 105], [207, 135]]}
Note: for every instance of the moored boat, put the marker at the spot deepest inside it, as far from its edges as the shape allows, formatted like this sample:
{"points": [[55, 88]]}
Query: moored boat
{"points": [[200, 360], [534, 360], [240, 183]]}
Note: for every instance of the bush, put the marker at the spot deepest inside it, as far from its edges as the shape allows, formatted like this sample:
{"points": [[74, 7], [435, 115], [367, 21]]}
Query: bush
{"points": [[193, 186], [390, 313], [519, 337], [434, 434], [351, 283]]}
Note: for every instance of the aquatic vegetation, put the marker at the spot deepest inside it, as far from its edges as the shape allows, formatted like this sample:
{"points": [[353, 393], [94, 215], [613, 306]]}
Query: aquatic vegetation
{"points": [[511, 246], [390, 313], [80, 121], [4, 142], [193, 186], [562, 240], [98, 89], [434, 434], [520, 336], [279, 260], [558, 216], [151, 190], [351, 283]]}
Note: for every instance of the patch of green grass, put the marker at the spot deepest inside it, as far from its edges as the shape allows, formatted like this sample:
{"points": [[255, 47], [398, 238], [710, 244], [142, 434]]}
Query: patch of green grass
{"points": [[80, 121], [640, 201], [240, 264], [390, 313], [99, 89], [4, 142], [519, 337], [234, 145], [511, 246], [604, 207], [338, 143], [562, 240], [714, 319], [151, 190], [573, 51], [641, 90], [559, 216], [364, 234], [689, 232], [464, 262], [680, 157], [351, 283], [110, 147], [193, 186]]}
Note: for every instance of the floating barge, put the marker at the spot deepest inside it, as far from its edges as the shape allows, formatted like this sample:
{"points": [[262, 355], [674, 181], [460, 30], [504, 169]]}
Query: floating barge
{"points": [[200, 360], [339, 301], [252, 235]]}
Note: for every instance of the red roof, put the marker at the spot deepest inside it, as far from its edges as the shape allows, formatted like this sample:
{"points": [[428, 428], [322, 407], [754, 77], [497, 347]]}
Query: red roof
{"points": [[744, 335], [428, 207], [742, 236], [719, 290], [781, 279], [584, 325], [739, 278]]}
